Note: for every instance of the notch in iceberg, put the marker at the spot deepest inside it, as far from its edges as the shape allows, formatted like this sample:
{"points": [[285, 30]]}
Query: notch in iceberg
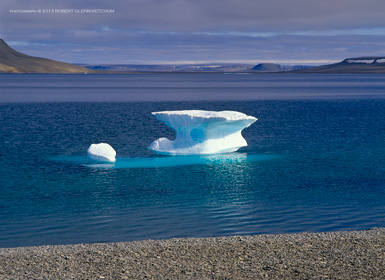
{"points": [[101, 152], [201, 132]]}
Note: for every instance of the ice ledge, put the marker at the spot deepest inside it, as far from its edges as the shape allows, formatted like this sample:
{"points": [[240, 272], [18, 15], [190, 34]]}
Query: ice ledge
{"points": [[202, 132]]}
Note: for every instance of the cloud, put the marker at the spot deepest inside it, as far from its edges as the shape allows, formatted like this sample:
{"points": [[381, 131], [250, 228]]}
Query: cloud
{"points": [[213, 15], [145, 31], [149, 48]]}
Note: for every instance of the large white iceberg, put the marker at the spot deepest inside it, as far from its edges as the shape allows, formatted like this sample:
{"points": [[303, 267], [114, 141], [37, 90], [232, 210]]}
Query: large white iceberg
{"points": [[101, 152], [202, 132]]}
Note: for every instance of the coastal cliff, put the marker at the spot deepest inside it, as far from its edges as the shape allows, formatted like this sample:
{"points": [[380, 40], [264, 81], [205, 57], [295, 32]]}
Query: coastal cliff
{"points": [[357, 65], [12, 61]]}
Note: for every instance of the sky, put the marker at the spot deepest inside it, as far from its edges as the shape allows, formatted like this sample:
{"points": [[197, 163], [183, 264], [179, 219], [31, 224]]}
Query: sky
{"points": [[311, 32]]}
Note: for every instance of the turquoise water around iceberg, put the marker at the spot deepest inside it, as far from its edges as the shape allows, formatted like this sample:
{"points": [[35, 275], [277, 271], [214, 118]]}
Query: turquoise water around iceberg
{"points": [[165, 161], [312, 164]]}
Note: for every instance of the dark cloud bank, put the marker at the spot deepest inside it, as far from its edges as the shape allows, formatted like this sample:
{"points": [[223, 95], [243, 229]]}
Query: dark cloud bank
{"points": [[152, 31]]}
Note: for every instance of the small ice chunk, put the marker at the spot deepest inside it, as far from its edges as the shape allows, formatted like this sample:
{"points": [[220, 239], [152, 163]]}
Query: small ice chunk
{"points": [[101, 152]]}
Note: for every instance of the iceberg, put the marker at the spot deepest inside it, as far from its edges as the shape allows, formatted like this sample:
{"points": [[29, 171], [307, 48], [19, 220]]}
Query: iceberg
{"points": [[201, 132], [101, 152]]}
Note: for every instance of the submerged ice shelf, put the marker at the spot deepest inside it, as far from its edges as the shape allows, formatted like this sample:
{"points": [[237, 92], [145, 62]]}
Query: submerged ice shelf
{"points": [[202, 135], [236, 160], [201, 132]]}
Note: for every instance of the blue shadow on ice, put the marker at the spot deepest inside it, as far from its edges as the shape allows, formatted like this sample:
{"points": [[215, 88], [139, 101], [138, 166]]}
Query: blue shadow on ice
{"points": [[166, 161]]}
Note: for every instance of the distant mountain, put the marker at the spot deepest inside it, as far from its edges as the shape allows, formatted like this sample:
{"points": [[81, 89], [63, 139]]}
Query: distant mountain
{"points": [[267, 67], [356, 65], [12, 61], [217, 67], [272, 67], [223, 67]]}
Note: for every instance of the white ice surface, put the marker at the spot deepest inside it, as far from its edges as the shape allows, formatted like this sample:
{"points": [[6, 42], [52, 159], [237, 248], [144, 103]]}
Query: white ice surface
{"points": [[202, 132], [367, 61], [380, 60], [102, 152]]}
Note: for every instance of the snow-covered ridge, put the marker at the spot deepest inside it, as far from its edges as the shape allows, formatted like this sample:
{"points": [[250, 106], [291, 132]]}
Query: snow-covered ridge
{"points": [[202, 132], [367, 61]]}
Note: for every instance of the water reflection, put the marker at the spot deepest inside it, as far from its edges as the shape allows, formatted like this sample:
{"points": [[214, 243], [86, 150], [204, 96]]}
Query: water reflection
{"points": [[167, 161]]}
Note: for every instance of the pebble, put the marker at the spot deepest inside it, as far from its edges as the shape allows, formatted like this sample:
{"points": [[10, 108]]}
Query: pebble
{"points": [[332, 255]]}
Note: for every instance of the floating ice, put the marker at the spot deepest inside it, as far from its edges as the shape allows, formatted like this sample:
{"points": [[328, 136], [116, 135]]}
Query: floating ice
{"points": [[202, 132], [101, 152]]}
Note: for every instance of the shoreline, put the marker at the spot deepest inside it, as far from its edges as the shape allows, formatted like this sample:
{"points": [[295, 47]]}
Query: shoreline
{"points": [[336, 255]]}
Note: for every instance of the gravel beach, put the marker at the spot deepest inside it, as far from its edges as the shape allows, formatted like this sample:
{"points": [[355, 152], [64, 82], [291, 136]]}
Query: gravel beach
{"points": [[331, 255]]}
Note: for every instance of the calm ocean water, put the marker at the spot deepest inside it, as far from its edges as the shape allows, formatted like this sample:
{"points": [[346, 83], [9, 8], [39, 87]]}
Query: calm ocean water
{"points": [[315, 160]]}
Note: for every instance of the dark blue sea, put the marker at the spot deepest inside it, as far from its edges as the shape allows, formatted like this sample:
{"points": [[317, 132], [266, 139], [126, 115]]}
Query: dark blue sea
{"points": [[315, 160]]}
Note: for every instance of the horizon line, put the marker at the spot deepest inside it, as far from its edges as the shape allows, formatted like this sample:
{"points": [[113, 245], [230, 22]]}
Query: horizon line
{"points": [[246, 62]]}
